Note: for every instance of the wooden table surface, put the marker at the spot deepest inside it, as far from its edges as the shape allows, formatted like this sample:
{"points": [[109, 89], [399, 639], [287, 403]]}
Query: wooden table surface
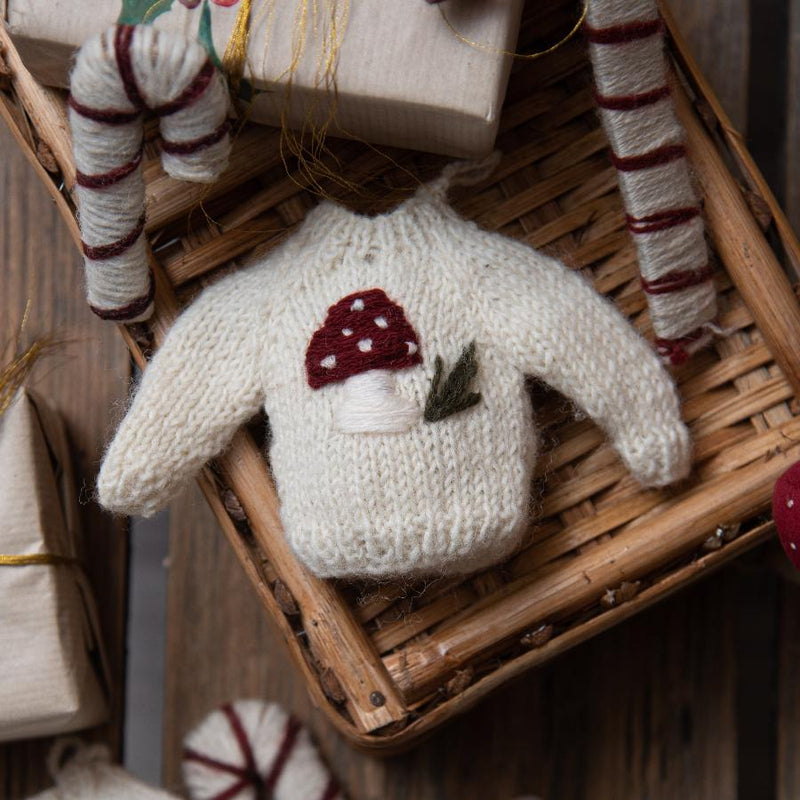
{"points": [[694, 699]]}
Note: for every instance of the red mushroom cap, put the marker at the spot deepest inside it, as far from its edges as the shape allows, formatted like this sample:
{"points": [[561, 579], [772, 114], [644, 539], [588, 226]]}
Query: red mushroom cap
{"points": [[363, 331], [786, 512]]}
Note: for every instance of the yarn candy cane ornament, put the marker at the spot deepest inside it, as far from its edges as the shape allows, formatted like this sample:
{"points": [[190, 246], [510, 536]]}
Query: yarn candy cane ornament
{"points": [[250, 750], [118, 76], [626, 45]]}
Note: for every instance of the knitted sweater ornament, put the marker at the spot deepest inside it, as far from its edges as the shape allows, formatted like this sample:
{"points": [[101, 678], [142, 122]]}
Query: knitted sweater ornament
{"points": [[390, 354]]}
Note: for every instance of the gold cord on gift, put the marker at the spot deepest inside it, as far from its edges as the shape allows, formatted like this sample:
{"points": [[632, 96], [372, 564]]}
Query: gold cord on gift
{"points": [[14, 373], [236, 51], [29, 559], [526, 56], [315, 161]]}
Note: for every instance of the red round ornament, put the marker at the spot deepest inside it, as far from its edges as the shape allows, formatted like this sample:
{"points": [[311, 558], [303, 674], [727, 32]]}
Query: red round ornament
{"points": [[786, 512]]}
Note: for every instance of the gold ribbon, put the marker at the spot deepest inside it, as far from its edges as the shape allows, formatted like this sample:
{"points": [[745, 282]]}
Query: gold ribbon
{"points": [[49, 559], [236, 52], [499, 50]]}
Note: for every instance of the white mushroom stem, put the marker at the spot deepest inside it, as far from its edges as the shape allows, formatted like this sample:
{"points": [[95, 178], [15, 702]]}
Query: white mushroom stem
{"points": [[371, 405]]}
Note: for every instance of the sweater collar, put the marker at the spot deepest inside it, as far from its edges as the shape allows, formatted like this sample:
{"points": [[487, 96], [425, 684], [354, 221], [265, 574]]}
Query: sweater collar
{"points": [[421, 218]]}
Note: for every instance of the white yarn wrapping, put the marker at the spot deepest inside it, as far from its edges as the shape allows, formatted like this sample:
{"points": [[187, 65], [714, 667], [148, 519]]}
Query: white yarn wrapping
{"points": [[372, 405], [164, 65], [85, 772], [629, 69], [301, 774]]}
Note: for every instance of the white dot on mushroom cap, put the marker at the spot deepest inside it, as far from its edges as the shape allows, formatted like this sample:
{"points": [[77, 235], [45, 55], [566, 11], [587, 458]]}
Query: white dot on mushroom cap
{"points": [[381, 322], [347, 331], [412, 348], [358, 305], [790, 503], [365, 345], [793, 545], [329, 362]]}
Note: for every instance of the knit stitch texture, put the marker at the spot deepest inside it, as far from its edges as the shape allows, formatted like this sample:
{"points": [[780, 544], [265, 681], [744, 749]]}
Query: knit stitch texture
{"points": [[444, 496]]}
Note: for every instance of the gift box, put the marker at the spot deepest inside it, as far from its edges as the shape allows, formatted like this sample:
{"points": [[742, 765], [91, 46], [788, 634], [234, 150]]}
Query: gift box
{"points": [[405, 75], [51, 661]]}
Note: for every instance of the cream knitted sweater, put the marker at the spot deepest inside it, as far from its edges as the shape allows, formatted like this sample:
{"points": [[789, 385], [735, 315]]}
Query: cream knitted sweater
{"points": [[338, 334]]}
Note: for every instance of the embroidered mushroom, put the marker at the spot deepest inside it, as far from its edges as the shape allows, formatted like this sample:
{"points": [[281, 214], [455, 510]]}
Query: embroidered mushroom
{"points": [[364, 339]]}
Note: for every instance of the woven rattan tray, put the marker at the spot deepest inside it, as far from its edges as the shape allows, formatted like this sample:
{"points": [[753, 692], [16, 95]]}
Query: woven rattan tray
{"points": [[390, 662]]}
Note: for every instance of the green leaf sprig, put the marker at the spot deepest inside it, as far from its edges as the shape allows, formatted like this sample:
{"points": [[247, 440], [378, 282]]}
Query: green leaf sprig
{"points": [[453, 395]]}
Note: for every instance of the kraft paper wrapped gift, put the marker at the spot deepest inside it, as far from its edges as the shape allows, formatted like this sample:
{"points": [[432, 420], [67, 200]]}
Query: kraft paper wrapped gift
{"points": [[51, 662], [403, 75]]}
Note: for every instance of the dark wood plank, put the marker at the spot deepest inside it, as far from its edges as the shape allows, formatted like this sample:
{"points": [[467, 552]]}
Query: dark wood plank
{"points": [[788, 700], [767, 98], [718, 32], [86, 382], [792, 176]]}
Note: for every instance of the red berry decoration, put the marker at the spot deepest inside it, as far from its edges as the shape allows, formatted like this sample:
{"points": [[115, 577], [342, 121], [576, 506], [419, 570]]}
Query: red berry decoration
{"points": [[786, 512]]}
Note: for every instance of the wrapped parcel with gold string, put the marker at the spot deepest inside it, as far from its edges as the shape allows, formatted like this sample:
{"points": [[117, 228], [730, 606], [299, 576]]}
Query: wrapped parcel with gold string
{"points": [[390, 73], [51, 660]]}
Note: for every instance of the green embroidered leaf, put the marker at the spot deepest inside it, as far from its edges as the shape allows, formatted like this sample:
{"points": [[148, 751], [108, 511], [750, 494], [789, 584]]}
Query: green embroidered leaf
{"points": [[204, 35], [454, 395], [135, 12]]}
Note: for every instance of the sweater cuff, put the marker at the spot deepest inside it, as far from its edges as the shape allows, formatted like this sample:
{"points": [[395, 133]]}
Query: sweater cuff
{"points": [[658, 457]]}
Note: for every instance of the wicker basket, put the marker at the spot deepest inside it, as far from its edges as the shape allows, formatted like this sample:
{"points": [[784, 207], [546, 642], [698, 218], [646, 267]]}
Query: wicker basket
{"points": [[390, 662]]}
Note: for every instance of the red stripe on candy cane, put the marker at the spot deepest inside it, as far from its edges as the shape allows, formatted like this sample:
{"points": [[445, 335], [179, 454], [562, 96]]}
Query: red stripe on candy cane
{"points": [[104, 179], [662, 220], [122, 52], [130, 311], [653, 158], [194, 90], [186, 148], [622, 34], [630, 102], [103, 251], [675, 281]]}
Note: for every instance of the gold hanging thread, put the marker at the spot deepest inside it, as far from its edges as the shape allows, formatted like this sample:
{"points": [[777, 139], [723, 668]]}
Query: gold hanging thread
{"points": [[29, 559], [235, 55], [14, 373], [522, 56]]}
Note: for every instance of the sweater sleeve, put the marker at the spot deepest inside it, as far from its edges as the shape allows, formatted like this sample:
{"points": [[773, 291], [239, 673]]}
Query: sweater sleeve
{"points": [[201, 385], [557, 328]]}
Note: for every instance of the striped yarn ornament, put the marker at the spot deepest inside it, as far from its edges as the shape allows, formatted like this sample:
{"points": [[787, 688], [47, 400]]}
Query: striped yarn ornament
{"points": [[119, 76], [251, 750], [627, 50]]}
